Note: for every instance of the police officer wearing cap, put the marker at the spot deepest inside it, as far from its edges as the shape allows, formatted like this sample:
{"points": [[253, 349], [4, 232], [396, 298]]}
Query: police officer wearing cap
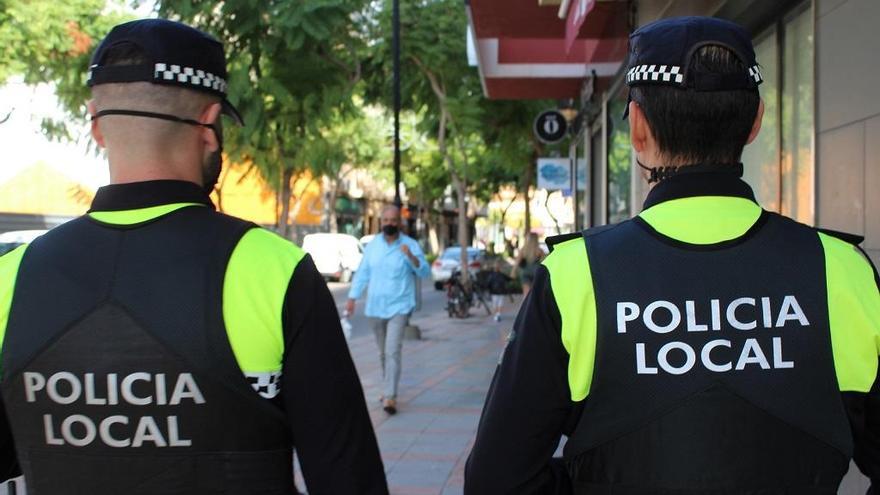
{"points": [[706, 346], [156, 346]]}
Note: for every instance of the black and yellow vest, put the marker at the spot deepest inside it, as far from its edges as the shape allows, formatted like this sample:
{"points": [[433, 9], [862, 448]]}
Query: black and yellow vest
{"points": [[709, 347], [124, 371]]}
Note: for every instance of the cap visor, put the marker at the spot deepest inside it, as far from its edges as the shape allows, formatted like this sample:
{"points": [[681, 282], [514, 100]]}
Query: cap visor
{"points": [[230, 110]]}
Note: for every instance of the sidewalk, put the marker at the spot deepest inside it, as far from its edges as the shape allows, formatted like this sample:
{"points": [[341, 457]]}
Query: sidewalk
{"points": [[442, 388]]}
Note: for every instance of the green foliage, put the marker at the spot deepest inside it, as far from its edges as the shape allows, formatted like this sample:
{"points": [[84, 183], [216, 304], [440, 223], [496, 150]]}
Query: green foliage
{"points": [[51, 41], [293, 67]]}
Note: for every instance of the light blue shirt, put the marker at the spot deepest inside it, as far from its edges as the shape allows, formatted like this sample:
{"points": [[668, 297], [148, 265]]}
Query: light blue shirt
{"points": [[388, 276]]}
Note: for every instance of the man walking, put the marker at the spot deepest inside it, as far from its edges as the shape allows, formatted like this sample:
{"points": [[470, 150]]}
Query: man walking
{"points": [[390, 264]]}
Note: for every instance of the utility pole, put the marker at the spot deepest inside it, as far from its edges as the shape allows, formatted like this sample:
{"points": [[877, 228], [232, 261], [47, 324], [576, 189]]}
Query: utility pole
{"points": [[395, 48]]}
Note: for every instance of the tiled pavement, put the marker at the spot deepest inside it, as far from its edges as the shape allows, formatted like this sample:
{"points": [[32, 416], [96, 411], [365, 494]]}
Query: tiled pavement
{"points": [[442, 387], [443, 384]]}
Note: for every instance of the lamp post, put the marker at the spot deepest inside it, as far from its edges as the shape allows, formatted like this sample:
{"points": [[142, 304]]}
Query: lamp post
{"points": [[395, 48]]}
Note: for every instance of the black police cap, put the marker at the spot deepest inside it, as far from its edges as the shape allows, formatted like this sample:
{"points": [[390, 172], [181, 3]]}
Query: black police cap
{"points": [[179, 55], [662, 52]]}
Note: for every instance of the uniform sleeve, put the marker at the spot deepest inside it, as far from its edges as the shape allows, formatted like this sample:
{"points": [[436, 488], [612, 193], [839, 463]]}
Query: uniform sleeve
{"points": [[528, 407], [864, 409], [854, 315], [322, 394], [864, 416], [9, 264]]}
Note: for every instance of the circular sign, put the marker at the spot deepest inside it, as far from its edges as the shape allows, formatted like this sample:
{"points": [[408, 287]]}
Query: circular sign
{"points": [[550, 126]]}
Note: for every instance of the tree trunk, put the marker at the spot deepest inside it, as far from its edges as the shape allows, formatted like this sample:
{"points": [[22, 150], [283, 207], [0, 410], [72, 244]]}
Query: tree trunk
{"points": [[298, 201], [433, 221], [527, 185], [463, 227], [459, 187], [286, 192], [550, 213], [331, 220]]}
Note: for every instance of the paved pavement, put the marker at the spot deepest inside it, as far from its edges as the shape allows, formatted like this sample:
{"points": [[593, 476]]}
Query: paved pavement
{"points": [[442, 388]]}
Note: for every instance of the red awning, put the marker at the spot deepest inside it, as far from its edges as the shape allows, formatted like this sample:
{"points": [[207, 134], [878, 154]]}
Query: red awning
{"points": [[526, 51]]}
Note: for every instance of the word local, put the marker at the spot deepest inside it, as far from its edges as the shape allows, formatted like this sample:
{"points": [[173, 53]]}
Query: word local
{"points": [[743, 313], [79, 430]]}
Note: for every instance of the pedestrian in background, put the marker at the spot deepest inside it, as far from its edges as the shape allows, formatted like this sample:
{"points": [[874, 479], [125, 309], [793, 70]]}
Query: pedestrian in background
{"points": [[155, 345], [527, 261], [387, 272], [499, 287]]}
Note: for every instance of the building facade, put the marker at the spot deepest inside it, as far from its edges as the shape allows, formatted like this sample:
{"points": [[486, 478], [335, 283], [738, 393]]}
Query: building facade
{"points": [[818, 156]]}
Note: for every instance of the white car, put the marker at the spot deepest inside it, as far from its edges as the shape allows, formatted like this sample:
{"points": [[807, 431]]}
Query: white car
{"points": [[450, 260], [336, 256]]}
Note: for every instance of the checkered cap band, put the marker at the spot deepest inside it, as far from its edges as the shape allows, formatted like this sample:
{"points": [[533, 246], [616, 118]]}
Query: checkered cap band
{"points": [[189, 75], [755, 73], [658, 73], [267, 384]]}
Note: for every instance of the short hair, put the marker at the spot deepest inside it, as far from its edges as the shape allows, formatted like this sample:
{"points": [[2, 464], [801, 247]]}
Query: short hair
{"points": [[163, 98], [700, 126]]}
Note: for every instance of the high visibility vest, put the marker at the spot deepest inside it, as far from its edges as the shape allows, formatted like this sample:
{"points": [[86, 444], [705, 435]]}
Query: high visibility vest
{"points": [[708, 368], [118, 374]]}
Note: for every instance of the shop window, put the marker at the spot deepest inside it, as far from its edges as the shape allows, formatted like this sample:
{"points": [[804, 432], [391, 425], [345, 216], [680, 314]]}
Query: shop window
{"points": [[619, 161], [780, 163]]}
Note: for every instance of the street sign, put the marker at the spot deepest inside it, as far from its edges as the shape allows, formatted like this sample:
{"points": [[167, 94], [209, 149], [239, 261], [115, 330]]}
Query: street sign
{"points": [[554, 173], [550, 127]]}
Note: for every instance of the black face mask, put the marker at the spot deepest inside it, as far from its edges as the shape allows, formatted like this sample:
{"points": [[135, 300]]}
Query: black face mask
{"points": [[390, 230], [211, 168]]}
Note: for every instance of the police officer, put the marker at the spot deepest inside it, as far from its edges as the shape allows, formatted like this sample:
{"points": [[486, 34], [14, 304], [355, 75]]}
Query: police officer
{"points": [[704, 346], [157, 346]]}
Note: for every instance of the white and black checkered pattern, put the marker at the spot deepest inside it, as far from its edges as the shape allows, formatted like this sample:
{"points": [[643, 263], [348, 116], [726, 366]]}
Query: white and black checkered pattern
{"points": [[196, 77], [267, 384], [755, 73], [659, 73]]}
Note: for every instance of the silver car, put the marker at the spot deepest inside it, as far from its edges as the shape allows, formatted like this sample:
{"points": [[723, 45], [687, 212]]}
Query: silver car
{"points": [[450, 260]]}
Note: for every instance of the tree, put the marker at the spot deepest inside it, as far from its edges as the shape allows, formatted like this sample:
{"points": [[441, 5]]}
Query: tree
{"points": [[293, 67], [45, 41], [439, 85], [348, 142], [513, 149]]}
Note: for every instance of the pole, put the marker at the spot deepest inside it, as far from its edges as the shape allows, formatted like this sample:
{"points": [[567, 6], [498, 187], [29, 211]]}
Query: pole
{"points": [[395, 48]]}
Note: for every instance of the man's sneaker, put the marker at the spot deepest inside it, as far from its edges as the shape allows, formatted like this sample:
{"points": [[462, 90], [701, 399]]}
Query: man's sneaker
{"points": [[497, 318], [390, 406]]}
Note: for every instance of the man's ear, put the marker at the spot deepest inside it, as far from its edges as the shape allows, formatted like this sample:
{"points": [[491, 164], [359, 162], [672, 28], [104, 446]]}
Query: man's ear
{"points": [[756, 125], [640, 132], [97, 135], [209, 116]]}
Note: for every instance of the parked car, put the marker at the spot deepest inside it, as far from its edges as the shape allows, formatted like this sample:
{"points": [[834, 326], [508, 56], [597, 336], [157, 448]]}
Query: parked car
{"points": [[336, 256], [366, 239], [15, 238], [450, 259]]}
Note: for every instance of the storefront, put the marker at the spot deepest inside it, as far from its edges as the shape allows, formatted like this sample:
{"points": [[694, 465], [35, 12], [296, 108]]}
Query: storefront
{"points": [[816, 159]]}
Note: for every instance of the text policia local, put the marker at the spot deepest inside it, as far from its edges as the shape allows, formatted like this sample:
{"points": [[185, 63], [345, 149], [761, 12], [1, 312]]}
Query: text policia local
{"points": [[744, 313], [79, 430]]}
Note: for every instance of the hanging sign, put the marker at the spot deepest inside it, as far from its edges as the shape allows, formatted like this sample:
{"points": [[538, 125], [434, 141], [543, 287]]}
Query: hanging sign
{"points": [[550, 127]]}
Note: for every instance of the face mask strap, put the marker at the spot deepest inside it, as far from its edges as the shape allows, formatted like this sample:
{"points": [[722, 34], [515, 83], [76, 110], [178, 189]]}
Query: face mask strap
{"points": [[161, 116]]}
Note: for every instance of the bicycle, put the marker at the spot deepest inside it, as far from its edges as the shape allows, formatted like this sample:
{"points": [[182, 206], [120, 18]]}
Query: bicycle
{"points": [[460, 298]]}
